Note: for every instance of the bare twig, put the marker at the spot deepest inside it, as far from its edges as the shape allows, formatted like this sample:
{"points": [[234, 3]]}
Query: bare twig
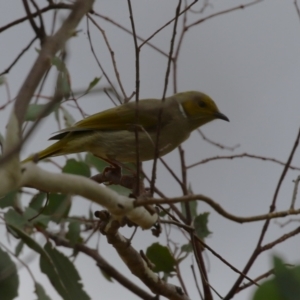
{"points": [[216, 144], [112, 54], [33, 15], [295, 192], [99, 64], [258, 248], [297, 8], [6, 71], [137, 97], [204, 161], [217, 207], [156, 151], [226, 11], [130, 32]]}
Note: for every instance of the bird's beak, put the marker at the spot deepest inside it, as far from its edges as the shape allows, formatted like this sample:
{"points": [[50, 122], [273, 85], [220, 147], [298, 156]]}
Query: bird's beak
{"points": [[219, 115]]}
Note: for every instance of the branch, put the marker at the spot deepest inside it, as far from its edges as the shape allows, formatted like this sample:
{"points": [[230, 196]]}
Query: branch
{"points": [[139, 267], [118, 205], [11, 174], [204, 161], [218, 208]]}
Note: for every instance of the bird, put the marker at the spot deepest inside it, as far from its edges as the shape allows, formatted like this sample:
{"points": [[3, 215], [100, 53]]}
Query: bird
{"points": [[111, 134]]}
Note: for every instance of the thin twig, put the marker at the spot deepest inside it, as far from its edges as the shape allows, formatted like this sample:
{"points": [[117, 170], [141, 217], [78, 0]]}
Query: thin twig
{"points": [[216, 144], [258, 248], [112, 55], [137, 95], [218, 208], [130, 32], [98, 62], [204, 161], [156, 151], [6, 71]]}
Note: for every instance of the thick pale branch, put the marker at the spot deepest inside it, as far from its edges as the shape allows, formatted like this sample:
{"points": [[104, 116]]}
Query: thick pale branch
{"points": [[118, 205]]}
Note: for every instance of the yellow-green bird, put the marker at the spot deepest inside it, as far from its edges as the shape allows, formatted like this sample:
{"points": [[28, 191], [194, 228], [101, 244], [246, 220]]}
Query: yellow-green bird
{"points": [[110, 134]]}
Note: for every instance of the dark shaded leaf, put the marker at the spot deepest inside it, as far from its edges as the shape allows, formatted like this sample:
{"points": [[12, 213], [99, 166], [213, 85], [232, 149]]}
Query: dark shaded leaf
{"points": [[58, 207], [200, 224], [121, 190], [19, 248], [37, 201], [9, 199], [73, 235], [67, 283], [77, 167], [9, 280], [34, 111], [267, 290], [287, 280], [40, 292], [161, 257], [187, 248], [92, 84], [95, 162]]}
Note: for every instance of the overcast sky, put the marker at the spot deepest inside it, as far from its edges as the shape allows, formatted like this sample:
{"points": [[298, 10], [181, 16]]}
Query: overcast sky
{"points": [[248, 61]]}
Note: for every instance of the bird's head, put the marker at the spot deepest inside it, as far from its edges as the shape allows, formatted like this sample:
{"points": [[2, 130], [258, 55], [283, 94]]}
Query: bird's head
{"points": [[198, 108]]}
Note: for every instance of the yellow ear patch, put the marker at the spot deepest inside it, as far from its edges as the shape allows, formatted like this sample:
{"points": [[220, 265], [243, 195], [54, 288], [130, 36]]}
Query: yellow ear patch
{"points": [[191, 108]]}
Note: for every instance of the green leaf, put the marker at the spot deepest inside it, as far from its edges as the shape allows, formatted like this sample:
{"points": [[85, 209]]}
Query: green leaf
{"points": [[92, 84], [34, 111], [200, 224], [161, 257], [267, 290], [285, 285], [193, 208], [96, 162], [187, 248], [40, 292], [67, 283], [106, 276], [19, 248], [76, 167], [31, 243], [36, 217], [37, 201], [11, 217], [45, 258], [73, 235], [59, 64], [9, 199], [63, 84], [121, 190], [58, 207], [287, 280], [69, 120], [9, 280]]}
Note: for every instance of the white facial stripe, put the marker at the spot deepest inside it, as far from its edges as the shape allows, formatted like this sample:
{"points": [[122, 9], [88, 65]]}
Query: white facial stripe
{"points": [[182, 110]]}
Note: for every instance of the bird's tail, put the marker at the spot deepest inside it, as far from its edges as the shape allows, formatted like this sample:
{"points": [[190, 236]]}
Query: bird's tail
{"points": [[52, 150]]}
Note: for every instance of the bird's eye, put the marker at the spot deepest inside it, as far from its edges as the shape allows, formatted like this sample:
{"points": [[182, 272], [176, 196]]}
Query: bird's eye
{"points": [[202, 104]]}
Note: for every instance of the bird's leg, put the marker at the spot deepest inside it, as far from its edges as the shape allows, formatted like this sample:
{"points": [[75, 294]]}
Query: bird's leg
{"points": [[114, 169], [113, 175]]}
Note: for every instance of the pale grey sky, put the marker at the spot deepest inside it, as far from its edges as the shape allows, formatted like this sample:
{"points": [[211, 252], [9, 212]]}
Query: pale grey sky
{"points": [[248, 61]]}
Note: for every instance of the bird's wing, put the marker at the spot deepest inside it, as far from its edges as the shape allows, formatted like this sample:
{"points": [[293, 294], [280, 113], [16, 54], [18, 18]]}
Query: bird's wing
{"points": [[119, 118]]}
